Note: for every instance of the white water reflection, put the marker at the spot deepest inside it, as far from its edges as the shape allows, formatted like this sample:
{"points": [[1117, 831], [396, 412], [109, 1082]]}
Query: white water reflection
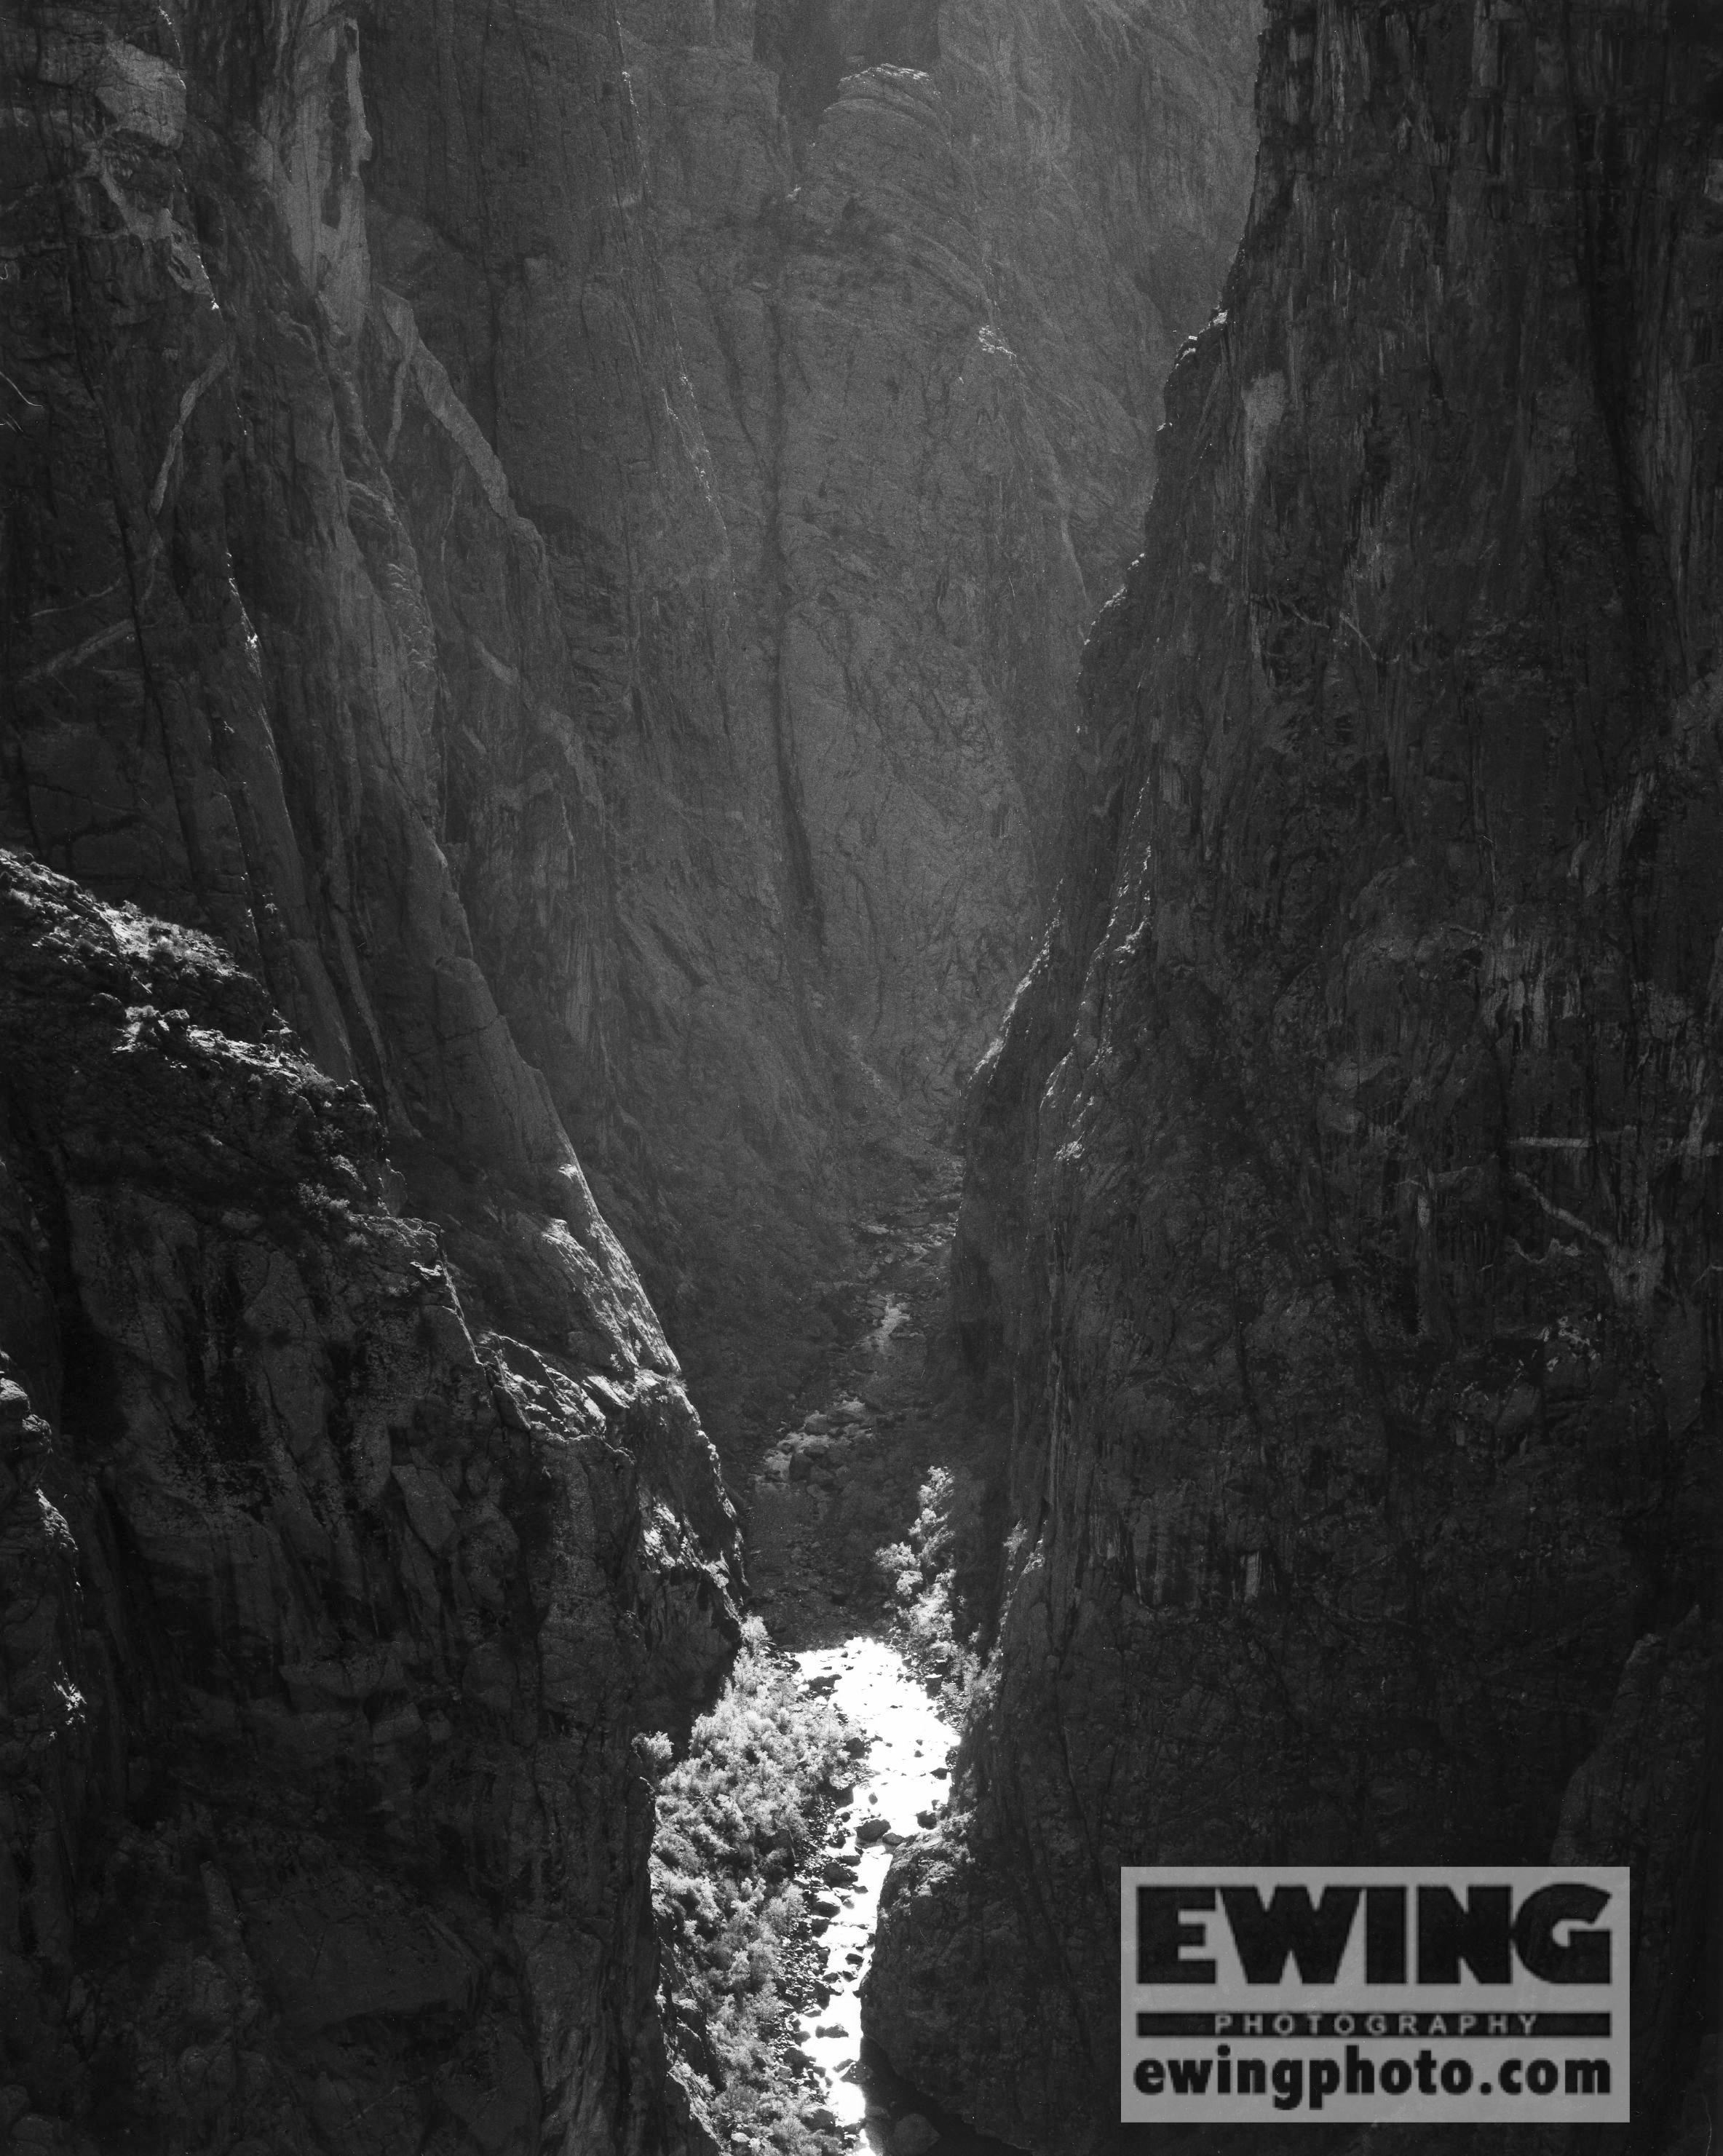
{"points": [[897, 1314], [896, 1781]]}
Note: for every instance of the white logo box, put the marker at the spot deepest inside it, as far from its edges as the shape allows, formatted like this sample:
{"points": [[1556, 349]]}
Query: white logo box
{"points": [[1435, 1995]]}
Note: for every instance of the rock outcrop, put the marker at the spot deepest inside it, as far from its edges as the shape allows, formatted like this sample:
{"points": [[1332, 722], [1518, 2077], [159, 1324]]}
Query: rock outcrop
{"points": [[1342, 1201], [355, 1518], [329, 1610]]}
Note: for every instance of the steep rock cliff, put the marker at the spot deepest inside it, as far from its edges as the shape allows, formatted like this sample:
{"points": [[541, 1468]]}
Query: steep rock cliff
{"points": [[928, 265], [730, 320], [345, 1553], [739, 763], [1342, 1199], [615, 826], [330, 1614]]}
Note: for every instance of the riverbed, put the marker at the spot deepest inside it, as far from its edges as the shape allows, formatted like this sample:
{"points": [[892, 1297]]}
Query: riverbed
{"points": [[902, 1781]]}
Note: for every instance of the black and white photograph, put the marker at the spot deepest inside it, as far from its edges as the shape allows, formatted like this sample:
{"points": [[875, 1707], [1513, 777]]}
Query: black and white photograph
{"points": [[861, 1077]]}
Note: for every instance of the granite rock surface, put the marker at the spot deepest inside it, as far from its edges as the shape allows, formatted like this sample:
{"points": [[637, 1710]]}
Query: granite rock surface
{"points": [[331, 1608], [1340, 1228], [355, 1518], [614, 823], [928, 265], [738, 319]]}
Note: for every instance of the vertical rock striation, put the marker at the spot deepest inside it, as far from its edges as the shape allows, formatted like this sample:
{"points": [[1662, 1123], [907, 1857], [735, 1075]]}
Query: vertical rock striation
{"points": [[1343, 1193], [1110, 150]]}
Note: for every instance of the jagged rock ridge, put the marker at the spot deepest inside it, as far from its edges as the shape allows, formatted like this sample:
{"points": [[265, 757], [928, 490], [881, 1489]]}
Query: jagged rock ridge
{"points": [[1340, 1230], [329, 1611]]}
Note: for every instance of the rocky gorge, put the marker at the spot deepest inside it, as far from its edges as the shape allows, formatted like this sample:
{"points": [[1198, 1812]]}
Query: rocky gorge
{"points": [[565, 675]]}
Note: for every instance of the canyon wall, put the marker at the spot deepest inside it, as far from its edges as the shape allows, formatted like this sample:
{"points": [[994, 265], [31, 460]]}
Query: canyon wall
{"points": [[1342, 1214], [328, 1608], [353, 1517], [821, 346], [928, 265], [615, 827]]}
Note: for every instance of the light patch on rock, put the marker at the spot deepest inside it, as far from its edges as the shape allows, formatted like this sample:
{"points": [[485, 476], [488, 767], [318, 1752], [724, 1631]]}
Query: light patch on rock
{"points": [[1264, 406], [318, 141], [426, 373], [143, 95]]}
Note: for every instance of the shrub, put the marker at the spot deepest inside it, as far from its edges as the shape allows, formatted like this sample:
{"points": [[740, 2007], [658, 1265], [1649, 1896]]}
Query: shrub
{"points": [[736, 1816], [933, 1626]]}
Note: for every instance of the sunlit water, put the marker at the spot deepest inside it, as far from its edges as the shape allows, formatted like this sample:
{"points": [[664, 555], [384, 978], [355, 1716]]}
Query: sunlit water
{"points": [[894, 1782], [896, 1314]]}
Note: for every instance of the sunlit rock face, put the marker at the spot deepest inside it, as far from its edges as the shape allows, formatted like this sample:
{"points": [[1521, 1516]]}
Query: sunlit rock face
{"points": [[353, 1518], [928, 265], [1342, 1203]]}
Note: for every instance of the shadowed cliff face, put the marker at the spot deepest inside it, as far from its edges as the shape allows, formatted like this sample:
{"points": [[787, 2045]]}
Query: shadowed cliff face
{"points": [[328, 1611], [1343, 1195], [614, 820], [574, 636], [342, 1553]]}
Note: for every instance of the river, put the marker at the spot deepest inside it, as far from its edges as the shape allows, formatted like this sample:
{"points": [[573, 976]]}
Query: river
{"points": [[902, 1776]]}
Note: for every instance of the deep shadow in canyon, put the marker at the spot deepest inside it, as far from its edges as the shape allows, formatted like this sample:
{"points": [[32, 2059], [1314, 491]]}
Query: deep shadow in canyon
{"points": [[571, 725]]}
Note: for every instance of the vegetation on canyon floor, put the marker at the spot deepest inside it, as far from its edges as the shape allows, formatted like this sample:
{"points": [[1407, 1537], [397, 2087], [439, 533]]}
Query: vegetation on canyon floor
{"points": [[934, 1619], [738, 1816]]}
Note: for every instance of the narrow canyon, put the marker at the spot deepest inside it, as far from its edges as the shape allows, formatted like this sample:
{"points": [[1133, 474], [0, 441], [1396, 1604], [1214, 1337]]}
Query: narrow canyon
{"points": [[861, 930]]}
